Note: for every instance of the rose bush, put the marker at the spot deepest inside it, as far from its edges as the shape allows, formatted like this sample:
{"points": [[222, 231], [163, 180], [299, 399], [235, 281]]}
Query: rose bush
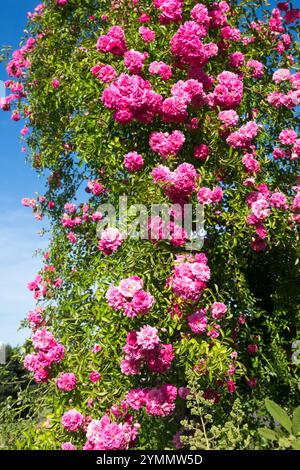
{"points": [[160, 101]]}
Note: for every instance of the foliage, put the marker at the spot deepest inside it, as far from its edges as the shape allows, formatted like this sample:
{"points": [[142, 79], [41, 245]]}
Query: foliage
{"points": [[285, 438], [17, 398], [13, 377], [216, 427]]}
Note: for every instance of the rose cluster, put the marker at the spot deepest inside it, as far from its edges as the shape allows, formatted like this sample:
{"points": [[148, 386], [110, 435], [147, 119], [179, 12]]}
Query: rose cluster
{"points": [[170, 10], [209, 196], [198, 321], [49, 352], [144, 347], [113, 42], [158, 401], [179, 184], [288, 94], [242, 138], [289, 145], [166, 144], [130, 297], [40, 285], [111, 240], [228, 93], [159, 229], [260, 203], [184, 93], [104, 434], [190, 276], [188, 48], [132, 98]]}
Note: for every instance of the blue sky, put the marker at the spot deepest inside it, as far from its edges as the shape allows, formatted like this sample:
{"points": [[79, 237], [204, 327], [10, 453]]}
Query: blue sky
{"points": [[18, 229]]}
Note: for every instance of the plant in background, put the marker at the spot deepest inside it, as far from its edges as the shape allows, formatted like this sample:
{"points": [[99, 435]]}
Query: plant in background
{"points": [[213, 426], [13, 377], [287, 435], [17, 397], [175, 103]]}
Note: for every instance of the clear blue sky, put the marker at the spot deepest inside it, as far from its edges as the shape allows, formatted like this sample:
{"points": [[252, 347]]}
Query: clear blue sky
{"points": [[18, 228]]}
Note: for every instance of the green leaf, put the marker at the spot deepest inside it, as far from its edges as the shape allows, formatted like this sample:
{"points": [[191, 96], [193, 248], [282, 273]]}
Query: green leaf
{"points": [[279, 414], [268, 434], [296, 421], [296, 445]]}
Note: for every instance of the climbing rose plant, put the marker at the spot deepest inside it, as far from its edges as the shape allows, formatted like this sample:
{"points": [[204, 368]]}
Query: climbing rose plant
{"points": [[162, 102]]}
